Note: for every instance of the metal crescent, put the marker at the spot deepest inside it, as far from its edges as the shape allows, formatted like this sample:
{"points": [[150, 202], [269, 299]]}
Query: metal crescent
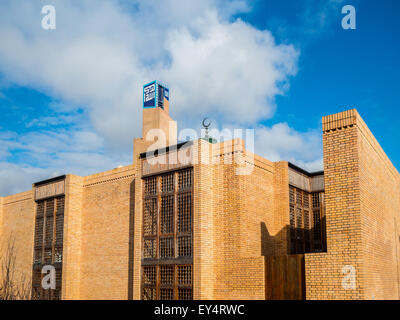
{"points": [[204, 123]]}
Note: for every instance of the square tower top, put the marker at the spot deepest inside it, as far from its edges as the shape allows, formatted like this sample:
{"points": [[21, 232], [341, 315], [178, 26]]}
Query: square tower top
{"points": [[156, 94]]}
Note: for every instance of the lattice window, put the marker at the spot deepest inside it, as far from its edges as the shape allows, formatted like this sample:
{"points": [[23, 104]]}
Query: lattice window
{"points": [[150, 217], [49, 231], [58, 254], [160, 215], [291, 195], [306, 233], [185, 246], [48, 256], [150, 186], [149, 249], [167, 183], [306, 200], [166, 294], [50, 207], [185, 294], [166, 247], [39, 232], [36, 284], [59, 229], [56, 294], [149, 275], [299, 217], [317, 225], [298, 197], [315, 198], [306, 219], [166, 275], [185, 212], [185, 178], [60, 206], [149, 293], [40, 209], [167, 214], [185, 275], [38, 255]]}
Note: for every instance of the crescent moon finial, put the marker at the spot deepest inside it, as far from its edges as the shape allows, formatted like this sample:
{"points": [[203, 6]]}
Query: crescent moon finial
{"points": [[205, 125]]}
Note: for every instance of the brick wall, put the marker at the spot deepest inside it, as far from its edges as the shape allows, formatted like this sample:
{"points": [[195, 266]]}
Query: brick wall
{"points": [[379, 196], [204, 246], [17, 220], [361, 206], [236, 221], [106, 206]]}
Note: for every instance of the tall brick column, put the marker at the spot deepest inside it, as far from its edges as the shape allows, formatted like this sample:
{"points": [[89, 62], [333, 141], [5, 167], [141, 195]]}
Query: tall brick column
{"points": [[325, 272], [362, 207], [72, 238]]}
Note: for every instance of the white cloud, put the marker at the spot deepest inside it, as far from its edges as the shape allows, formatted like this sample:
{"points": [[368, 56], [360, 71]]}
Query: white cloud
{"points": [[101, 54], [47, 154], [281, 142]]}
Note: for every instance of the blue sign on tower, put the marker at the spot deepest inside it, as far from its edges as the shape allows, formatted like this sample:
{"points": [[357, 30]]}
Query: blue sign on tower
{"points": [[155, 95]]}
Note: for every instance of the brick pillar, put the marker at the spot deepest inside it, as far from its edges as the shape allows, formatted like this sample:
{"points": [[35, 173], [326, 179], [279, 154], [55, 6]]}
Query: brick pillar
{"points": [[328, 274], [203, 222], [72, 238], [137, 241]]}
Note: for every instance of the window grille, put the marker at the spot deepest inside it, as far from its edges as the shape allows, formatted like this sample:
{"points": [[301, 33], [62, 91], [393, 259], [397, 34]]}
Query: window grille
{"points": [[49, 231], [47, 256], [36, 284], [166, 247], [60, 206], [318, 222], [149, 250], [56, 294], [39, 232], [167, 183], [150, 217], [185, 179], [40, 210], [150, 186], [49, 228], [166, 275], [305, 221], [38, 256], [167, 214], [315, 198], [149, 294], [185, 294], [185, 275], [58, 254], [59, 229], [185, 212], [167, 235], [50, 208], [185, 246], [149, 275], [166, 294], [298, 197]]}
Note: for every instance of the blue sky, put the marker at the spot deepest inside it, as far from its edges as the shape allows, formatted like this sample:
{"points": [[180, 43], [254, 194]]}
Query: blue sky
{"points": [[70, 97]]}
